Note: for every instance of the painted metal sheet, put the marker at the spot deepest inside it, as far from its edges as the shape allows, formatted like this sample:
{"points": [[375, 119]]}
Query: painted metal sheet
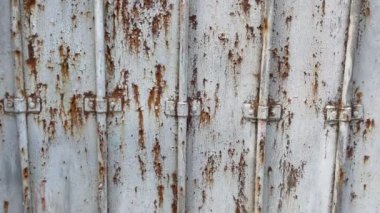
{"points": [[183, 95], [224, 66], [309, 50], [142, 65], [10, 170]]}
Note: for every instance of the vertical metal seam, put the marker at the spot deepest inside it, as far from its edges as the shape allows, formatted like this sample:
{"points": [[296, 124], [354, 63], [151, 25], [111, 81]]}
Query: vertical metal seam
{"points": [[263, 102], [101, 117], [21, 119], [343, 128], [182, 97]]}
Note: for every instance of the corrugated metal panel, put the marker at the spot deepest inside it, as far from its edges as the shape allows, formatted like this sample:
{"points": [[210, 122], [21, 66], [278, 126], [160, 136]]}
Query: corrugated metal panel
{"points": [[167, 106]]}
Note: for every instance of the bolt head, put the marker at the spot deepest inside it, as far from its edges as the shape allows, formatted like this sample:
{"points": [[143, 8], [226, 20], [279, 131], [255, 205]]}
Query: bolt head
{"points": [[32, 105], [10, 104], [194, 109]]}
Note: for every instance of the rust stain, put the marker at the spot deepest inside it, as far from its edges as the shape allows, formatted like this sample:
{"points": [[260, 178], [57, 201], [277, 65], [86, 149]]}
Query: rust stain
{"points": [[75, 113], [25, 173], [366, 8], [156, 25], [241, 168], [140, 117], [323, 8], [32, 60], [246, 6], [175, 192], [109, 61], [160, 191], [5, 206], [265, 25], [350, 152], [142, 167], [262, 150], [249, 32], [369, 126], [116, 176], [315, 83], [283, 62], [155, 94], [205, 117], [212, 164], [358, 96], [157, 159], [29, 5], [292, 175], [64, 55], [42, 191], [148, 4], [366, 158], [136, 16], [193, 22], [134, 39]]}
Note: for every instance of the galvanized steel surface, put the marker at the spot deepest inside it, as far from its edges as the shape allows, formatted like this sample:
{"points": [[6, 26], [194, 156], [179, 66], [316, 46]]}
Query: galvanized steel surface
{"points": [[143, 106]]}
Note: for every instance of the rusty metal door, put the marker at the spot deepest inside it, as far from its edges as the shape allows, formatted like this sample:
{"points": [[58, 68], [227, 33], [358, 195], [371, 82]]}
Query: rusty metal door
{"points": [[189, 105]]}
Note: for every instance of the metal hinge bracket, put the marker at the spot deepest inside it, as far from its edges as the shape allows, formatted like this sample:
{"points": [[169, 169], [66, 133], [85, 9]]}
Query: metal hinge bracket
{"points": [[181, 109], [344, 114], [20, 105], [269, 113], [102, 105]]}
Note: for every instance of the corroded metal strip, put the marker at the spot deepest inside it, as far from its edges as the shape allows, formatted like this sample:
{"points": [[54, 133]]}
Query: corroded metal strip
{"points": [[344, 127], [182, 97], [17, 40], [263, 102], [101, 116]]}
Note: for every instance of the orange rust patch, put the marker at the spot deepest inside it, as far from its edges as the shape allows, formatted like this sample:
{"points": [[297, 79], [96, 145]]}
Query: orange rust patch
{"points": [[160, 191], [175, 192], [64, 55], [25, 172], [32, 60], [265, 25], [75, 112], [28, 5], [140, 116], [205, 117], [157, 159], [155, 94]]}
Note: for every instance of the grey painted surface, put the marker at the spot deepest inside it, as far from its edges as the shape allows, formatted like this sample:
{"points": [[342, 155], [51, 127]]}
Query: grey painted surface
{"points": [[142, 55]]}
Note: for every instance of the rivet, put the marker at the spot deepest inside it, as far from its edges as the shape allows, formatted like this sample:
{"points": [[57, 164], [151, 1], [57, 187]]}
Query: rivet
{"points": [[194, 109], [112, 104], [10, 104], [32, 105], [356, 113]]}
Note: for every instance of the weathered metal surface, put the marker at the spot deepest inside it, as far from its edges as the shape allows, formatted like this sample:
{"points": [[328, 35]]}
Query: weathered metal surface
{"points": [[142, 41], [224, 67], [196, 106], [11, 186]]}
